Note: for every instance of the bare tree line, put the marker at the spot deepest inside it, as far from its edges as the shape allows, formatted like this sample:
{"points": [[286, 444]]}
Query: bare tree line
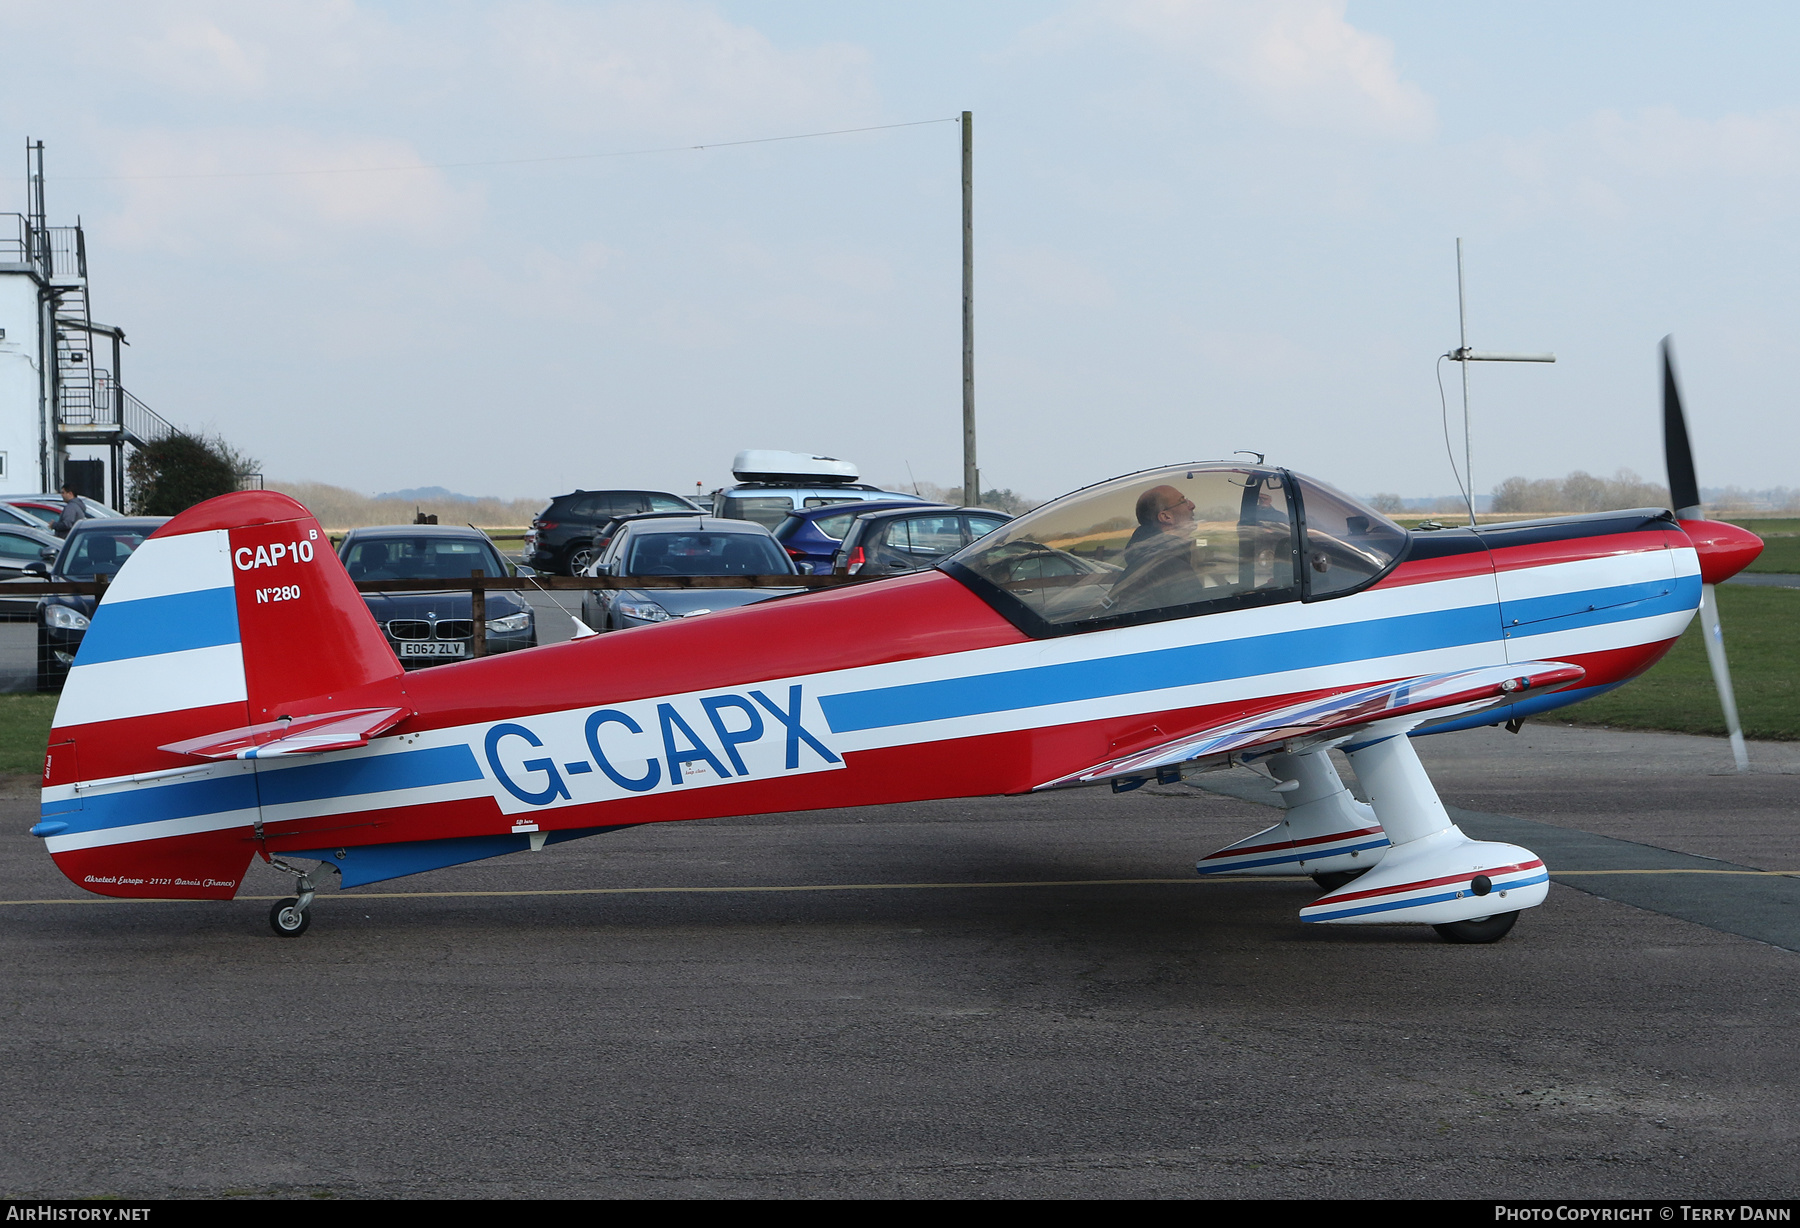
{"points": [[338, 508], [1581, 491]]}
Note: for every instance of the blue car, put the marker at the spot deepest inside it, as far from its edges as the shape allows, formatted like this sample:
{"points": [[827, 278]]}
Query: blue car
{"points": [[812, 535]]}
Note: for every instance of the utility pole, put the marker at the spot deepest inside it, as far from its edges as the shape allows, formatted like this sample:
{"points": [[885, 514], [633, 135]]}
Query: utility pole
{"points": [[971, 474]]}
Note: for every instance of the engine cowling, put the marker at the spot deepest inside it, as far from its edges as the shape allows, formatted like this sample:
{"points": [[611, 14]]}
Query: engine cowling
{"points": [[1724, 549]]}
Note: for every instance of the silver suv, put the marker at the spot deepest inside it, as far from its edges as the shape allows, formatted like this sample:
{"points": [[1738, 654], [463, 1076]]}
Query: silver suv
{"points": [[770, 503]]}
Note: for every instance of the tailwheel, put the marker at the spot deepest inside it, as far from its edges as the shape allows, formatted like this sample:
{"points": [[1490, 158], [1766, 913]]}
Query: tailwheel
{"points": [[289, 919], [1333, 879], [1478, 929]]}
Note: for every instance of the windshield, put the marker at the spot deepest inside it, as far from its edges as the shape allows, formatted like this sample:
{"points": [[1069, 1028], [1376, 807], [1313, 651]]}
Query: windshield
{"points": [[420, 558], [705, 554], [1347, 544], [98, 552]]}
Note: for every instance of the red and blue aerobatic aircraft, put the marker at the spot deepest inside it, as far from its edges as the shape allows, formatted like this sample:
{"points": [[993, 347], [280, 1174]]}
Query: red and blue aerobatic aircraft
{"points": [[234, 698]]}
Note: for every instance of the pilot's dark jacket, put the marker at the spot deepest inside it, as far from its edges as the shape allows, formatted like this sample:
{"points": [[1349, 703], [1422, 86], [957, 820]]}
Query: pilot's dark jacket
{"points": [[1161, 569]]}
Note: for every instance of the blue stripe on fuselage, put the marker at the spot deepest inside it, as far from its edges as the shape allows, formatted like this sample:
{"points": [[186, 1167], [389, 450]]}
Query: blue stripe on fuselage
{"points": [[411, 769], [154, 803], [1307, 648], [1189, 665], [152, 626], [1592, 607], [157, 803]]}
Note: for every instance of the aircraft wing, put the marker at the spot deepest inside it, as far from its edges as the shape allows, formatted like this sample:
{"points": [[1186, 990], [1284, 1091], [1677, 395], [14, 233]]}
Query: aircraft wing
{"points": [[1341, 714], [306, 735]]}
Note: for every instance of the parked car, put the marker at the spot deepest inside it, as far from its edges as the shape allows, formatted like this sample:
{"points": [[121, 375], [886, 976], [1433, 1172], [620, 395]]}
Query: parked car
{"points": [[25, 554], [696, 546], [94, 549], [603, 535], [10, 515], [433, 627], [772, 485], [48, 507], [21, 547], [561, 538], [811, 535], [889, 543]]}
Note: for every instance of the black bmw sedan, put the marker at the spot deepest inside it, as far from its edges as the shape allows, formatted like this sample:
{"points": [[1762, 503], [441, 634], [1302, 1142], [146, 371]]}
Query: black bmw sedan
{"points": [[431, 628]]}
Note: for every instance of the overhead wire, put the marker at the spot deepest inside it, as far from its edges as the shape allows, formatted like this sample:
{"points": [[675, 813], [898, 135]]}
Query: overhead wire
{"points": [[443, 166]]}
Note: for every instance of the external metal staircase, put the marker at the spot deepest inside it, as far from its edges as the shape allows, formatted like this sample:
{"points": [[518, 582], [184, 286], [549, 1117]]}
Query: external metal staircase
{"points": [[92, 407]]}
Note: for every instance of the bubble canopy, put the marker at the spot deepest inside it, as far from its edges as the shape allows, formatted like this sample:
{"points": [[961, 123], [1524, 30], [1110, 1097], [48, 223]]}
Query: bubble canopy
{"points": [[1175, 542]]}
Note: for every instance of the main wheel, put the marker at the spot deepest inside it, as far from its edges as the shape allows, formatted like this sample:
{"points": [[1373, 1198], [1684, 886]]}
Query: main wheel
{"points": [[1333, 879], [288, 919], [1478, 929]]}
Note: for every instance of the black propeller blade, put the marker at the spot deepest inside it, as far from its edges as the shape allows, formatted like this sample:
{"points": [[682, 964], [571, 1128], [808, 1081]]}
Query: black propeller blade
{"points": [[1684, 493], [1684, 487]]}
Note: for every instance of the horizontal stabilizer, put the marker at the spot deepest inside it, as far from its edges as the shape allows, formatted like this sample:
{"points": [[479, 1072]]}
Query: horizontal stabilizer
{"points": [[1460, 691], [305, 735]]}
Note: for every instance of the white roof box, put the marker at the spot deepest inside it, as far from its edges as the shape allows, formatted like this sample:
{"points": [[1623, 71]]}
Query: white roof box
{"points": [[800, 468]]}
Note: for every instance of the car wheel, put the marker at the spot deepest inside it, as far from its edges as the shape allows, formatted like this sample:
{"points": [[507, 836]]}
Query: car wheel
{"points": [[580, 559]]}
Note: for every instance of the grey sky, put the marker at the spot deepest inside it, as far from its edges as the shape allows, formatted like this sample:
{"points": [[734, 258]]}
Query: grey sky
{"points": [[1200, 227]]}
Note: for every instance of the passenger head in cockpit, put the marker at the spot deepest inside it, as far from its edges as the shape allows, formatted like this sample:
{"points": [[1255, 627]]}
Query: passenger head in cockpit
{"points": [[1162, 509]]}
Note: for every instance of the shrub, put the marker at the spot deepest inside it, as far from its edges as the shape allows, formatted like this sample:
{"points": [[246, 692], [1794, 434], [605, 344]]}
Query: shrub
{"points": [[174, 473]]}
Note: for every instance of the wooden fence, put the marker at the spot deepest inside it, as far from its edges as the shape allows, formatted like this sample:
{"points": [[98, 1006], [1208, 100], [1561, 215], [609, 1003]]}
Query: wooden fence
{"points": [[479, 584]]}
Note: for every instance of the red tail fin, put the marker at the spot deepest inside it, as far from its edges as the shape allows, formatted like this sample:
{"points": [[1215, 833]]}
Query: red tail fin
{"points": [[309, 641]]}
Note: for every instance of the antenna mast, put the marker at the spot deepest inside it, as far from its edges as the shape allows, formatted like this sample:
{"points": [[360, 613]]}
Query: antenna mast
{"points": [[1463, 354]]}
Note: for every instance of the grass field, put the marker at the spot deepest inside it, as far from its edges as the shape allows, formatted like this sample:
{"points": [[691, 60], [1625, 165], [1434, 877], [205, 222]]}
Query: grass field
{"points": [[1781, 546], [24, 728], [1762, 640]]}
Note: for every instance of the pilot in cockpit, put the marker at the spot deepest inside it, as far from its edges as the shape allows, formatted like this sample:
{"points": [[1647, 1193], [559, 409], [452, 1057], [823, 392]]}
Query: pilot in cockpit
{"points": [[1162, 559]]}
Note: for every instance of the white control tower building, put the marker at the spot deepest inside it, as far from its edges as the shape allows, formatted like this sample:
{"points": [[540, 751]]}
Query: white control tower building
{"points": [[64, 416]]}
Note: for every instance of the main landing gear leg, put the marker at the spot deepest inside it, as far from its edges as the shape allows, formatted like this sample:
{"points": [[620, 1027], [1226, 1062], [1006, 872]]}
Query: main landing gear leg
{"points": [[1470, 891], [291, 917], [1323, 831]]}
